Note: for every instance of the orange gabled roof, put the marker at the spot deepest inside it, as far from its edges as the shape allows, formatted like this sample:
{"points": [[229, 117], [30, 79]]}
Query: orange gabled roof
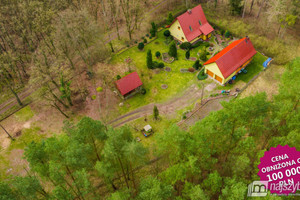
{"points": [[233, 56], [190, 23]]}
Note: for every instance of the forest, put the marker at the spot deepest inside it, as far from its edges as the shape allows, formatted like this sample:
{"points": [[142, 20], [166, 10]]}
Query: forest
{"points": [[50, 47]]}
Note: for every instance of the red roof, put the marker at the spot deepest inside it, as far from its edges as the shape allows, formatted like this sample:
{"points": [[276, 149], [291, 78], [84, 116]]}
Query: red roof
{"points": [[190, 23], [233, 56], [128, 83]]}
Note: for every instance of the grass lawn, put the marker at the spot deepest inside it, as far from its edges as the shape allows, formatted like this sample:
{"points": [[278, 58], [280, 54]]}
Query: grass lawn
{"points": [[153, 79], [24, 114]]}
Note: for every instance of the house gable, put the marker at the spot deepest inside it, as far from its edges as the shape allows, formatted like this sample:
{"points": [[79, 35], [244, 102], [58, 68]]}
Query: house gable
{"points": [[213, 67], [193, 23], [177, 32]]}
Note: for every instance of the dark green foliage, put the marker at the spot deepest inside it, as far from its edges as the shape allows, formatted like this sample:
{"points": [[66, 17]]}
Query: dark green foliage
{"points": [[145, 40], [173, 50], [206, 44], [143, 91], [197, 44], [149, 60], [153, 29], [202, 75], [197, 65], [185, 45], [161, 65], [118, 77], [147, 34], [152, 188], [203, 55], [157, 54], [155, 113], [227, 34], [167, 33], [170, 18], [236, 7], [187, 54], [141, 46]]}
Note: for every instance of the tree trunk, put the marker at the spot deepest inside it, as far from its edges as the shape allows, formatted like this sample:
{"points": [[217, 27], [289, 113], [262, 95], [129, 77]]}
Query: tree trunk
{"points": [[262, 5], [7, 132], [245, 2], [16, 95], [251, 6], [58, 108], [123, 171]]}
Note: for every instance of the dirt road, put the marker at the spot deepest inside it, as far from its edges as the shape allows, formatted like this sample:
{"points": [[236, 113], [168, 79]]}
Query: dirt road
{"points": [[190, 96]]}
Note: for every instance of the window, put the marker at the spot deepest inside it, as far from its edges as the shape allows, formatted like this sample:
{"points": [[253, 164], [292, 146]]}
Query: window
{"points": [[200, 22], [182, 38], [191, 28], [178, 27]]}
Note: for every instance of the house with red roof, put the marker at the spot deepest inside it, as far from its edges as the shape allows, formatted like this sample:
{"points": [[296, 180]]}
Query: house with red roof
{"points": [[191, 26], [225, 65], [129, 85]]}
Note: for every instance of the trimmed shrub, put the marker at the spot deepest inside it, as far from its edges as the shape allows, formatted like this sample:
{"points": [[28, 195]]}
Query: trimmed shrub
{"points": [[161, 65], [187, 55], [157, 54], [173, 50], [143, 91], [227, 34], [149, 60], [167, 33], [145, 41], [147, 34], [197, 65], [118, 77], [186, 46], [201, 75], [141, 46]]}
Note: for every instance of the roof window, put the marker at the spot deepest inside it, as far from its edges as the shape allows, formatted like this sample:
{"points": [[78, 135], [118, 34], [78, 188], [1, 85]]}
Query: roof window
{"points": [[191, 28]]}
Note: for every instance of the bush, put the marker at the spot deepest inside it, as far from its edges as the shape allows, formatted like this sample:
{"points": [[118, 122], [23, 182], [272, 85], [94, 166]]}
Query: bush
{"points": [[118, 77], [157, 54], [147, 35], [99, 89], [153, 29], [202, 75], [141, 46], [173, 50], [203, 55], [191, 69], [187, 55], [206, 44], [186, 46], [145, 41], [197, 44], [170, 18], [143, 91], [161, 65], [150, 37], [94, 97], [227, 34], [197, 65], [167, 33]]}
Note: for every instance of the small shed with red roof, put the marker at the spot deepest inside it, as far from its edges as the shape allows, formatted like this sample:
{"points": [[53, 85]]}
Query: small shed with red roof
{"points": [[191, 26], [129, 85], [230, 61]]}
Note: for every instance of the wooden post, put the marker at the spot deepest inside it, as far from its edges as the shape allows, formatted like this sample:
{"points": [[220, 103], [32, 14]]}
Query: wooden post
{"points": [[7, 132]]}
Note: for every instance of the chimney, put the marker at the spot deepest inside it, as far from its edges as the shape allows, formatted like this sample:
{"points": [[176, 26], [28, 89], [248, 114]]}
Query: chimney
{"points": [[189, 11]]}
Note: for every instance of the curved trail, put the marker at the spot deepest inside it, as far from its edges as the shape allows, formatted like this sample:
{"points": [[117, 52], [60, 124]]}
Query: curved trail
{"points": [[191, 95]]}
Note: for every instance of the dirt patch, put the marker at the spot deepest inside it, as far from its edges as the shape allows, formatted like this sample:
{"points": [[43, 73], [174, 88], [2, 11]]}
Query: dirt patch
{"points": [[210, 87], [17, 163]]}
